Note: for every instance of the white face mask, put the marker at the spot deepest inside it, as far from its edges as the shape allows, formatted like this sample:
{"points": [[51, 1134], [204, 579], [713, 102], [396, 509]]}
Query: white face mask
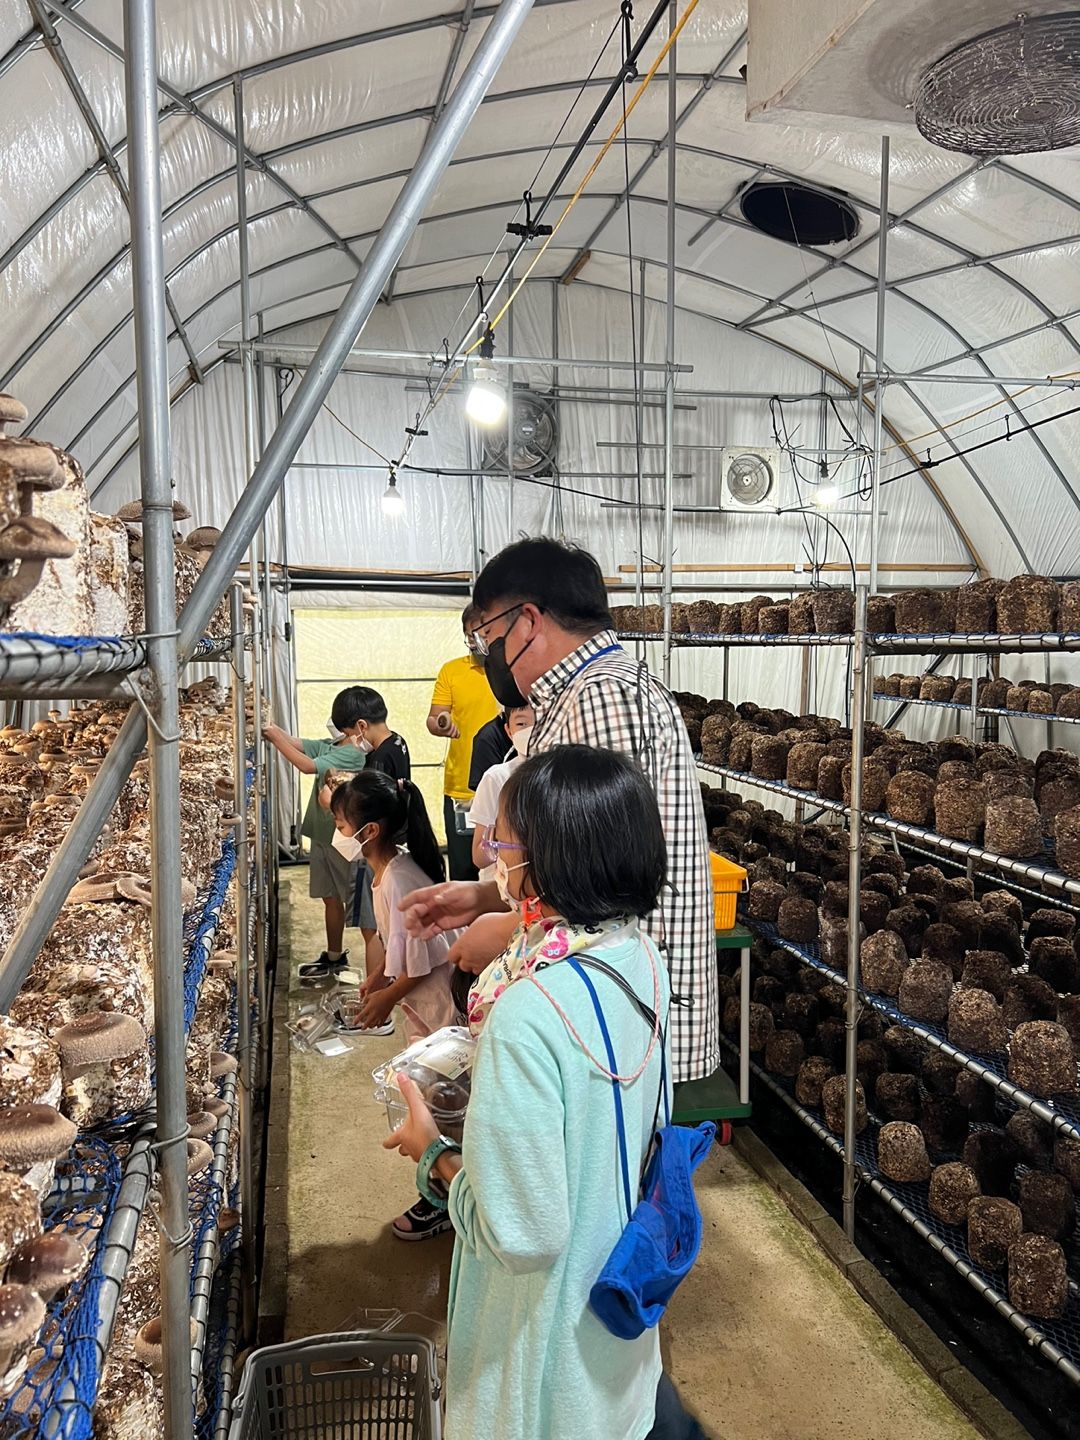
{"points": [[364, 745], [502, 881], [347, 845], [333, 731], [520, 739]]}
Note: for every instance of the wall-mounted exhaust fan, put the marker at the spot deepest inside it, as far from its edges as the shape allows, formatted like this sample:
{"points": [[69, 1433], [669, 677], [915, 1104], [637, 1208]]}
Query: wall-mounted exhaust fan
{"points": [[749, 472], [536, 436]]}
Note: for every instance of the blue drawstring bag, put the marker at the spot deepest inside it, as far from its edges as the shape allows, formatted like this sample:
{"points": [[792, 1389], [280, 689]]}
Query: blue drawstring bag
{"points": [[662, 1237]]}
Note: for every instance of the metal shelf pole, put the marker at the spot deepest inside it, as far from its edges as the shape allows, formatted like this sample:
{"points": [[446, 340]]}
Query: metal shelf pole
{"points": [[669, 347], [362, 297], [851, 1016], [879, 360], [152, 370], [244, 1055]]}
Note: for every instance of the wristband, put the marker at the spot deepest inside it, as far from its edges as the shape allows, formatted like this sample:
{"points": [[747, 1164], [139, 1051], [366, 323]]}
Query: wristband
{"points": [[439, 1146]]}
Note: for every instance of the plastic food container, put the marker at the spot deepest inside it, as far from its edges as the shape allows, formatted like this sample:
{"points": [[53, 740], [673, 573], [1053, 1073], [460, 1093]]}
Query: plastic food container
{"points": [[729, 881], [441, 1065]]}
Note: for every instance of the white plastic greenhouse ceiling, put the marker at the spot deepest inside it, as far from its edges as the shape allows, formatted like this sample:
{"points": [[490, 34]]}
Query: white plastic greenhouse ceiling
{"points": [[774, 307]]}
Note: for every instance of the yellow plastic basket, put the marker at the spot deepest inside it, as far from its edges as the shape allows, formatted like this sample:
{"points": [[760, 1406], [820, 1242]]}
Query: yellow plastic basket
{"points": [[729, 881]]}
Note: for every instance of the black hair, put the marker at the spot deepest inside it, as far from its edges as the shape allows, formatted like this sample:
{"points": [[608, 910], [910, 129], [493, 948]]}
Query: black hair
{"points": [[508, 710], [371, 707], [349, 706], [590, 827], [397, 807], [562, 580]]}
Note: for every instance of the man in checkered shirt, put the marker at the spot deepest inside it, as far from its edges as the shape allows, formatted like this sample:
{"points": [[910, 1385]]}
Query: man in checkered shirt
{"points": [[546, 625]]}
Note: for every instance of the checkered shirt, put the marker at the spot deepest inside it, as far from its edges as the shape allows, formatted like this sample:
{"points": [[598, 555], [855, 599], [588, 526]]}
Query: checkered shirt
{"points": [[611, 701]]}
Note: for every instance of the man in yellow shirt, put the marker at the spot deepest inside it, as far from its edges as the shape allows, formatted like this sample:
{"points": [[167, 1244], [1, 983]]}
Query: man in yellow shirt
{"points": [[461, 702]]}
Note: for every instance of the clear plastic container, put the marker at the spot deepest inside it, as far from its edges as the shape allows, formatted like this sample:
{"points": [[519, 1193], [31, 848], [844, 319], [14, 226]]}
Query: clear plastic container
{"points": [[441, 1065]]}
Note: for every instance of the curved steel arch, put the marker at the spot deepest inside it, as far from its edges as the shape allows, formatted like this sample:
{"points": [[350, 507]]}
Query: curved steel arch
{"points": [[768, 340], [840, 334]]}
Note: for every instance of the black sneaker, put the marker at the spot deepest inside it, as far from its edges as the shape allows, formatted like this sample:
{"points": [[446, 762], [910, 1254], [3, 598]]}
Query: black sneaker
{"points": [[421, 1221], [323, 967]]}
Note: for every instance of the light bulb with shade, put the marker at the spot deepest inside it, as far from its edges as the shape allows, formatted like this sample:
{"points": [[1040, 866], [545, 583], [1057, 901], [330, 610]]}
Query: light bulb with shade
{"points": [[393, 502], [826, 495], [486, 401]]}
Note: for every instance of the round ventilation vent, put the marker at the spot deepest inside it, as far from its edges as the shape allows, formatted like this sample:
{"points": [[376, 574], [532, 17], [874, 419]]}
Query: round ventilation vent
{"points": [[749, 479], [799, 215], [1007, 92]]}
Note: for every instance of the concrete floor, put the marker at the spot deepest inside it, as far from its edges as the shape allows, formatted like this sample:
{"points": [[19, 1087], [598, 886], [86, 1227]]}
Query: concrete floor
{"points": [[765, 1338]]}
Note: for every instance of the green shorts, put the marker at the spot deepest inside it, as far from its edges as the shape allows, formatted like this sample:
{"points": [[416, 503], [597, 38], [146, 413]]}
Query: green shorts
{"points": [[330, 875]]}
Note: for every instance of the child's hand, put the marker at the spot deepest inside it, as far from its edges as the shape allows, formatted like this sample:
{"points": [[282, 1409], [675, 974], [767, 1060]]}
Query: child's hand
{"points": [[450, 906], [377, 1007], [375, 981], [324, 797], [413, 1136]]}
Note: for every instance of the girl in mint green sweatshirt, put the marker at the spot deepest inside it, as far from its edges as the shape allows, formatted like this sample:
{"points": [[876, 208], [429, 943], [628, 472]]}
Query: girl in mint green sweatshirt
{"points": [[534, 1195]]}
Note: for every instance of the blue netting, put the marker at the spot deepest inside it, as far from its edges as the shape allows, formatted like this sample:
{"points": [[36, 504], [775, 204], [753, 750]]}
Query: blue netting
{"points": [[1063, 1111], [201, 925], [69, 642], [63, 1381], [220, 1328]]}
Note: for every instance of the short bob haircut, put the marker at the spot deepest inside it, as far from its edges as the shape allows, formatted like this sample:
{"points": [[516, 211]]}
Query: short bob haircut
{"points": [[590, 827]]}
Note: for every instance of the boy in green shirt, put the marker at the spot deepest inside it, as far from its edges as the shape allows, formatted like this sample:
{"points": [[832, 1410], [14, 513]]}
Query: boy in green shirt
{"points": [[331, 878]]}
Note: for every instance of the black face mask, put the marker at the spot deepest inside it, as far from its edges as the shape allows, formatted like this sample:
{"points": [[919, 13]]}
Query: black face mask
{"points": [[500, 676]]}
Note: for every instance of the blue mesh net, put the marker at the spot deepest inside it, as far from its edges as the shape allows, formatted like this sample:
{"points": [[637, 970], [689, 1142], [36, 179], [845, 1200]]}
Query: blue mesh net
{"points": [[62, 1381], [201, 925]]}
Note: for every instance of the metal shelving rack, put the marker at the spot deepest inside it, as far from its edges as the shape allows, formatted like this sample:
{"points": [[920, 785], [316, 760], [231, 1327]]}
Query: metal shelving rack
{"points": [[1060, 1113], [143, 672], [1058, 1341], [1002, 714]]}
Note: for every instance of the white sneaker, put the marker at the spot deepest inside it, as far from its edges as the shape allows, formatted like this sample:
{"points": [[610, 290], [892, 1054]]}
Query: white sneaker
{"points": [[386, 1028]]}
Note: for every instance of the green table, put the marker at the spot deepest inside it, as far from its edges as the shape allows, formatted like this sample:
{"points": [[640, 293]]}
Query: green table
{"points": [[715, 1097]]}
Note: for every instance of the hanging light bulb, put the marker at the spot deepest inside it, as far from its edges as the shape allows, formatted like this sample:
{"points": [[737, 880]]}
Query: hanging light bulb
{"points": [[393, 502], [825, 495], [486, 401]]}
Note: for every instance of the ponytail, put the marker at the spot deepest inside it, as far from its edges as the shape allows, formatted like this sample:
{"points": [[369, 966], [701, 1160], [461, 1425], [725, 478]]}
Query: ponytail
{"points": [[397, 807], [419, 836]]}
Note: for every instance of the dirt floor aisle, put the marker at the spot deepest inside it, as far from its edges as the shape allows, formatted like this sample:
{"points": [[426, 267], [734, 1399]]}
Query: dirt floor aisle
{"points": [[766, 1339]]}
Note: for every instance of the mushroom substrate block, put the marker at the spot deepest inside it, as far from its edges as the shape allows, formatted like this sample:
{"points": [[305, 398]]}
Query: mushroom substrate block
{"points": [[993, 1225], [1042, 1059], [902, 1152], [953, 1186], [1038, 1281]]}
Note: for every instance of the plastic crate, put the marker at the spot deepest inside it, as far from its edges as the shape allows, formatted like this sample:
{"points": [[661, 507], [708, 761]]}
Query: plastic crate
{"points": [[729, 881], [364, 1386]]}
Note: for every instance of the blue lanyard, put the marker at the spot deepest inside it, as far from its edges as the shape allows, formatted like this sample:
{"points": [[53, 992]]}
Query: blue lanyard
{"points": [[587, 662]]}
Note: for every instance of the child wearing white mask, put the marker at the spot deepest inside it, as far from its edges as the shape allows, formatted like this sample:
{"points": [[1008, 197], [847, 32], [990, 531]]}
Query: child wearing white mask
{"points": [[485, 807], [385, 822]]}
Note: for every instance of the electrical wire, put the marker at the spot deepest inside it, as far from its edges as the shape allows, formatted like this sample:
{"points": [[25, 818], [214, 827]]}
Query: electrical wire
{"points": [[982, 410], [929, 464], [461, 355]]}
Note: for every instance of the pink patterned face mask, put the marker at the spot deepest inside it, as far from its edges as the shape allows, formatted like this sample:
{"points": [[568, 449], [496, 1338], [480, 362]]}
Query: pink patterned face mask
{"points": [[546, 940]]}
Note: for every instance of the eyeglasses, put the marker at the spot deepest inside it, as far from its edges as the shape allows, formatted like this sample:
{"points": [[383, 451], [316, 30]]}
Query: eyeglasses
{"points": [[480, 643], [491, 846]]}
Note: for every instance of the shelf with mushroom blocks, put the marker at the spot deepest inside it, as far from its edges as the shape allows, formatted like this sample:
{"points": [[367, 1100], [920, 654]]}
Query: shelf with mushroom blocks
{"points": [[1057, 1338], [46, 664], [965, 709], [1045, 875], [86, 1204], [882, 643], [1061, 1112], [65, 570], [1026, 613]]}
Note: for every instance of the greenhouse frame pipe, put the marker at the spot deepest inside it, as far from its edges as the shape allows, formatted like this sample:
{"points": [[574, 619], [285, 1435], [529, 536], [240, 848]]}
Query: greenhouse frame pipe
{"points": [[669, 346], [510, 413], [639, 430], [851, 1013], [879, 365], [189, 107], [167, 910], [55, 47], [285, 354], [244, 1050], [921, 378], [362, 297]]}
